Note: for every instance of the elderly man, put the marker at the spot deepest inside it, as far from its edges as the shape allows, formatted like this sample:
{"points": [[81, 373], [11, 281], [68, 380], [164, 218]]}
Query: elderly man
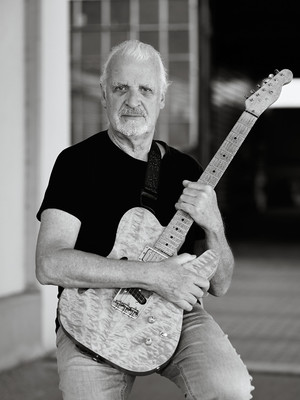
{"points": [[92, 185]]}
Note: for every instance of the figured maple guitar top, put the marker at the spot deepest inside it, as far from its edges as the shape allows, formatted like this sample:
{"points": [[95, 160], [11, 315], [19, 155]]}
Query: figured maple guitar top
{"points": [[139, 345]]}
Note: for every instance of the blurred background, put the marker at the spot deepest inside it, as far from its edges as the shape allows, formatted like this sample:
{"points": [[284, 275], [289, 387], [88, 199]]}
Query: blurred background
{"points": [[215, 53]]}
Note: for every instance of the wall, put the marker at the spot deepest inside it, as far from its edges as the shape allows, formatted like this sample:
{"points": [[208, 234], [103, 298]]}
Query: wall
{"points": [[12, 202], [35, 127], [54, 118]]}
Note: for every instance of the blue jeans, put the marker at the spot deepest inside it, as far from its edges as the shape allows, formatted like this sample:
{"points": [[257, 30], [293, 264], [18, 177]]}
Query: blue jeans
{"points": [[205, 367]]}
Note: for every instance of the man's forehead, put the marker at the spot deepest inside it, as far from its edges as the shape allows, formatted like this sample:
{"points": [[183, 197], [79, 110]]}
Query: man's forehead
{"points": [[136, 82], [124, 68]]}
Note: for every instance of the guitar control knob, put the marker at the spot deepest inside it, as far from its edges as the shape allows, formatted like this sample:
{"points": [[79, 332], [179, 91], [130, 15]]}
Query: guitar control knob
{"points": [[151, 319], [148, 341], [163, 334]]}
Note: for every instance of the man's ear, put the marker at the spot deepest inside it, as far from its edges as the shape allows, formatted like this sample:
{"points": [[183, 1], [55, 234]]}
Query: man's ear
{"points": [[102, 96]]}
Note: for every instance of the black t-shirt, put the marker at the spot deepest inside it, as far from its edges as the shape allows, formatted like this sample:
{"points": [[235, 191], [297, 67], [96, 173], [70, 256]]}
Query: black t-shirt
{"points": [[97, 182]]}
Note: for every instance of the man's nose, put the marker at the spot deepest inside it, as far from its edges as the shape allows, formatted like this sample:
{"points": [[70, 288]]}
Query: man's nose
{"points": [[133, 98]]}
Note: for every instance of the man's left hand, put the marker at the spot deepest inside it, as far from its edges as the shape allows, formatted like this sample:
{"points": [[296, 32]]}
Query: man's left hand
{"points": [[200, 202]]}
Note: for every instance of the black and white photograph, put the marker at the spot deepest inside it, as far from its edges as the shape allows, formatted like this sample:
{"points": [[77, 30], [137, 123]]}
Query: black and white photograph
{"points": [[150, 200]]}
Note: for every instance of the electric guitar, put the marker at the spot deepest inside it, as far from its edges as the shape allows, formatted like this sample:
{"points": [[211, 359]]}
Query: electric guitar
{"points": [[132, 329]]}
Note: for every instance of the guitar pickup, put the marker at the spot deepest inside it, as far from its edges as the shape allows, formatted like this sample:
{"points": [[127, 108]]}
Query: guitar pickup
{"points": [[151, 254]]}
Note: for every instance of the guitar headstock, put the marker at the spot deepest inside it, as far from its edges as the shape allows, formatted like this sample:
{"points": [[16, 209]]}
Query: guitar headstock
{"points": [[268, 93]]}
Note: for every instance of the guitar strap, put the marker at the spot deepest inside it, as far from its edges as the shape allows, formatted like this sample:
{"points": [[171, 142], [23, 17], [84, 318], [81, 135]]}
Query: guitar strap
{"points": [[149, 193]]}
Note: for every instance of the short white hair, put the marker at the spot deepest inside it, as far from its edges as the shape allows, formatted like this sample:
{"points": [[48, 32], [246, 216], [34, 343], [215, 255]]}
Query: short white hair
{"points": [[139, 51]]}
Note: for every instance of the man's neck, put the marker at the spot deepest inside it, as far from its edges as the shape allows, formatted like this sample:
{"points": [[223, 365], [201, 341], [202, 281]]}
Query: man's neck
{"points": [[135, 146]]}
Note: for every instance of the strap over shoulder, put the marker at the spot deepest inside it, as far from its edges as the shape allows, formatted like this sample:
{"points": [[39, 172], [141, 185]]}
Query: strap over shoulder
{"points": [[149, 192]]}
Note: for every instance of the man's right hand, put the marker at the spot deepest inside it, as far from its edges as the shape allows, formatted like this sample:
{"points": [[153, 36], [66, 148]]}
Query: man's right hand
{"points": [[177, 282]]}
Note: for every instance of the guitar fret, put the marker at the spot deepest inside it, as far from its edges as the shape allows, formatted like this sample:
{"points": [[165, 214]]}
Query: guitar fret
{"points": [[208, 179], [235, 138], [241, 128], [226, 156], [171, 240], [230, 147], [168, 239], [169, 250], [168, 243], [247, 119], [219, 162], [217, 172]]}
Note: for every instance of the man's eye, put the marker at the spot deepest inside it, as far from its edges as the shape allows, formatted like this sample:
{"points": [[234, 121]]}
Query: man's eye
{"points": [[120, 88], [146, 89]]}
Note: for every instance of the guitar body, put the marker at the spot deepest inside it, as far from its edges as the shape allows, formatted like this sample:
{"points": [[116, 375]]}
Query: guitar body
{"points": [[138, 344], [92, 321]]}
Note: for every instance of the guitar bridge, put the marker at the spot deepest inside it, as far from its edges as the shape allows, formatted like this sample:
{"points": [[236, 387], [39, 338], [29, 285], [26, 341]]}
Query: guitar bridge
{"points": [[125, 308]]}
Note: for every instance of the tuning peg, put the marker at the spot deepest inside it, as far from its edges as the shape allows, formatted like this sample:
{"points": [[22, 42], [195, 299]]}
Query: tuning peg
{"points": [[271, 76], [252, 91], [258, 85], [276, 71]]}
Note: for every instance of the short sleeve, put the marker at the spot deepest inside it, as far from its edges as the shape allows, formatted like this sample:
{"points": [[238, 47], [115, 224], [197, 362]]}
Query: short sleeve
{"points": [[64, 190]]}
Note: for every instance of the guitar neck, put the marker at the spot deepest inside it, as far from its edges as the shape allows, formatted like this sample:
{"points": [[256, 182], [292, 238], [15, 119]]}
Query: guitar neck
{"points": [[174, 234]]}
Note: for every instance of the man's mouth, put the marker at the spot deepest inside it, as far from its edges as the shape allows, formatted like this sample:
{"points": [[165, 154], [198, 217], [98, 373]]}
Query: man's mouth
{"points": [[132, 113]]}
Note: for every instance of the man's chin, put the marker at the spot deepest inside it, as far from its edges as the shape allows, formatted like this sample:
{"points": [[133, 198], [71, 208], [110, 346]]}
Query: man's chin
{"points": [[132, 129]]}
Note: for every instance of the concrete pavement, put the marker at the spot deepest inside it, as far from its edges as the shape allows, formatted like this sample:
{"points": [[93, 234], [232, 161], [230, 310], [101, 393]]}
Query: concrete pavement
{"points": [[260, 313]]}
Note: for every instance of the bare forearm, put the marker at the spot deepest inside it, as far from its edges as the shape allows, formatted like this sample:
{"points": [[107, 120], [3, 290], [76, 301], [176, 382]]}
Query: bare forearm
{"points": [[58, 263], [220, 283], [74, 268]]}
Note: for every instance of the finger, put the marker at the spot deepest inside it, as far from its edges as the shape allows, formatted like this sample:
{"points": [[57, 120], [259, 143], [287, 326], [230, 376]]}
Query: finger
{"points": [[189, 198], [188, 208], [197, 292], [186, 182], [191, 191], [184, 305], [200, 281], [198, 186], [186, 257], [194, 185], [203, 284]]}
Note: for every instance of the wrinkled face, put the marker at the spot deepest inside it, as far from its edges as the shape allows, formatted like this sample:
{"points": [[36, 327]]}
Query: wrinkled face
{"points": [[133, 97]]}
